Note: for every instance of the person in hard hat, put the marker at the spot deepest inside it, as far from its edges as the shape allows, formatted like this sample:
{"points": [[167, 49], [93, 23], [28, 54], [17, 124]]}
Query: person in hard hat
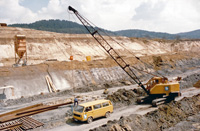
{"points": [[75, 101]]}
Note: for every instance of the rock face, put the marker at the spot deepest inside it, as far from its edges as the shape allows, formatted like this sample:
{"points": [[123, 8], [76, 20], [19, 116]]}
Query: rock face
{"points": [[166, 116]]}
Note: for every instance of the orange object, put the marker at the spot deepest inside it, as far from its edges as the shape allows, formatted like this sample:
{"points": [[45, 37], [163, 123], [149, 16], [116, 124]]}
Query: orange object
{"points": [[88, 58], [71, 58]]}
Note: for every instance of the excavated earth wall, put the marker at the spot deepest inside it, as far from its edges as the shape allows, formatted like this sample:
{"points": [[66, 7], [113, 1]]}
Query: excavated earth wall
{"points": [[168, 58], [42, 45], [30, 80]]}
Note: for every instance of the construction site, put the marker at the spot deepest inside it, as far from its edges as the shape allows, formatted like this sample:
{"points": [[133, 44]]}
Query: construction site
{"points": [[153, 84]]}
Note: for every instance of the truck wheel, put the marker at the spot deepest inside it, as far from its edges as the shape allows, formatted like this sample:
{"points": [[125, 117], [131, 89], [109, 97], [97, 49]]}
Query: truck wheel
{"points": [[107, 114], [89, 120]]}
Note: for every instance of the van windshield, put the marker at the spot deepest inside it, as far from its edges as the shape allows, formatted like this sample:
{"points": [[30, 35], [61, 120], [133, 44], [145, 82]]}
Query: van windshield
{"points": [[79, 108]]}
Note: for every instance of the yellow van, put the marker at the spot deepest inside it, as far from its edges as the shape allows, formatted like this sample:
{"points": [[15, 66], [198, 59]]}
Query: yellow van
{"points": [[91, 110]]}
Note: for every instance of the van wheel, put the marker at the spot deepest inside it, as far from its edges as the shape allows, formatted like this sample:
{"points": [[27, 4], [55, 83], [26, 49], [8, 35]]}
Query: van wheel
{"points": [[89, 120], [107, 114]]}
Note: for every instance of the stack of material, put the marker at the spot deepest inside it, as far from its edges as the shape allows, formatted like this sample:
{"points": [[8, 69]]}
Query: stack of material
{"points": [[29, 123], [50, 84], [21, 124], [28, 111], [12, 125]]}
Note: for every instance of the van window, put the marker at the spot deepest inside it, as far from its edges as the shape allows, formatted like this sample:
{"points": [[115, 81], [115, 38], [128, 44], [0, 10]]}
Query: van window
{"points": [[97, 106], [79, 108], [105, 104], [88, 109]]}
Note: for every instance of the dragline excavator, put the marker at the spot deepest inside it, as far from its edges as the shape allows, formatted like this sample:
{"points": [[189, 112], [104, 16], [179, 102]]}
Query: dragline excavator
{"points": [[158, 89]]}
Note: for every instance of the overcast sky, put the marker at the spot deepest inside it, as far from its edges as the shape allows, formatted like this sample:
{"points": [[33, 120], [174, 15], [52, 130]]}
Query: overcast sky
{"points": [[171, 16]]}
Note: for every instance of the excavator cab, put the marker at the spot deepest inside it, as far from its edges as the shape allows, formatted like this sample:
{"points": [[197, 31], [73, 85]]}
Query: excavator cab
{"points": [[155, 80], [161, 86]]}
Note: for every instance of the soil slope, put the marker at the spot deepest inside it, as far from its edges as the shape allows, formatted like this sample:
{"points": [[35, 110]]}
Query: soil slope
{"points": [[167, 57], [42, 45]]}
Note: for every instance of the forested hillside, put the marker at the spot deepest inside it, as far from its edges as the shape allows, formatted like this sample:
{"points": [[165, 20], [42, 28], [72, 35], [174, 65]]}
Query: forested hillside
{"points": [[64, 26]]}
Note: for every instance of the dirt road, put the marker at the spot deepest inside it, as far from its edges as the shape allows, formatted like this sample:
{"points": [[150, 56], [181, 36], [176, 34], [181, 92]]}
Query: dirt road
{"points": [[123, 111]]}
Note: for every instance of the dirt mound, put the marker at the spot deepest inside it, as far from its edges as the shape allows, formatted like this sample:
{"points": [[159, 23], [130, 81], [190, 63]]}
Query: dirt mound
{"points": [[192, 123], [190, 80], [197, 84], [166, 116], [124, 96], [157, 60], [174, 112]]}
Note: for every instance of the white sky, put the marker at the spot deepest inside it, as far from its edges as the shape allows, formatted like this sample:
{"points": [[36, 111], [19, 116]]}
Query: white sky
{"points": [[171, 16]]}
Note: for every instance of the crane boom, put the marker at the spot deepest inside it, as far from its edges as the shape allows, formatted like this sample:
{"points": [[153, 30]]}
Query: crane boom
{"points": [[108, 48]]}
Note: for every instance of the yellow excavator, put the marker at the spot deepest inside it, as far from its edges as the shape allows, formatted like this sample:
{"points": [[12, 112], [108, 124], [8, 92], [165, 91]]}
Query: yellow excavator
{"points": [[158, 89]]}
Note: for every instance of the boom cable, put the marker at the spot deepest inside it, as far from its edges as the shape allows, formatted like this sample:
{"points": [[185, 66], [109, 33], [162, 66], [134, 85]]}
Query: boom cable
{"points": [[122, 47]]}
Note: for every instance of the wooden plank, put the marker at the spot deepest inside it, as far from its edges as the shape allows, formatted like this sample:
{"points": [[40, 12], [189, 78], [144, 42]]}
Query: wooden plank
{"points": [[51, 84], [10, 125], [48, 83]]}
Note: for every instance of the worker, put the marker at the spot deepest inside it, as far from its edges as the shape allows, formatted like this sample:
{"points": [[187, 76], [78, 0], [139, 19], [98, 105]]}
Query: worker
{"points": [[75, 101], [105, 91]]}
